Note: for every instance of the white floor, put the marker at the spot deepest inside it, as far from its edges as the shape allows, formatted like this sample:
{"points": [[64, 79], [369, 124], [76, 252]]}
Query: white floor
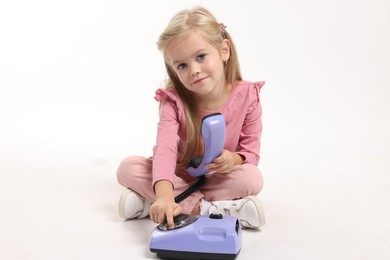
{"points": [[76, 97], [59, 201]]}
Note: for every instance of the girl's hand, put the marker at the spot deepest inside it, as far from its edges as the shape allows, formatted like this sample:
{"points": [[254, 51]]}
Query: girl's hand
{"points": [[225, 162], [164, 209]]}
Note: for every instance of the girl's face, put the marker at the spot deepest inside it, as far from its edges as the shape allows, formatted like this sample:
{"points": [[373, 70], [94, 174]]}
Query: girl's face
{"points": [[198, 64]]}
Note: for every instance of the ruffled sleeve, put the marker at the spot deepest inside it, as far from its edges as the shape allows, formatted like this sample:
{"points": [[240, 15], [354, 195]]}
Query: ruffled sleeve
{"points": [[159, 95], [162, 95], [254, 94]]}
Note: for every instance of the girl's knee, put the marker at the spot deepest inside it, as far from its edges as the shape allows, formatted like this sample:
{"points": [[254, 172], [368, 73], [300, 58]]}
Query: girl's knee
{"points": [[124, 167], [130, 167], [253, 178], [245, 180]]}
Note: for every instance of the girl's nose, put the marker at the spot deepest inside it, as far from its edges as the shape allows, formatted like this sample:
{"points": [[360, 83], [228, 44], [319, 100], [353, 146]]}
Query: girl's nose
{"points": [[195, 69]]}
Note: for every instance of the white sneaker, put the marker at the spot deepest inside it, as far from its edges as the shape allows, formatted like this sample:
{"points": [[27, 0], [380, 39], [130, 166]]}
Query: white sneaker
{"points": [[132, 205], [249, 210]]}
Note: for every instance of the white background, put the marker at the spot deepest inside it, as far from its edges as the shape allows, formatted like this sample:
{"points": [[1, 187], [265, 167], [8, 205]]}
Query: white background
{"points": [[77, 80]]}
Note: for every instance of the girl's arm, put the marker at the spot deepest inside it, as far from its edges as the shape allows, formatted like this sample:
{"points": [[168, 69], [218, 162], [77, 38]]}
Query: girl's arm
{"points": [[250, 136], [164, 160], [249, 142]]}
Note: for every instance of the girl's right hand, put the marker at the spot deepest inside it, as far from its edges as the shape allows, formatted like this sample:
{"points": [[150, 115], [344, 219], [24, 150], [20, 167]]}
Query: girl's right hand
{"points": [[164, 209]]}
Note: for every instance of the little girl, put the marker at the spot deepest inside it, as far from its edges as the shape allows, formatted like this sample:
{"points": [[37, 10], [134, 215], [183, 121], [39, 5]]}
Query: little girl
{"points": [[204, 78]]}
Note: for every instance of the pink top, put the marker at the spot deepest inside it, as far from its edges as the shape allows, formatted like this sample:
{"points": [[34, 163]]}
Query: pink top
{"points": [[242, 113]]}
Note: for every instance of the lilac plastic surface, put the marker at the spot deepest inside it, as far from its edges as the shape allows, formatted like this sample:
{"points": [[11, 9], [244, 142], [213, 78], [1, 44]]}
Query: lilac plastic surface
{"points": [[213, 135], [217, 236]]}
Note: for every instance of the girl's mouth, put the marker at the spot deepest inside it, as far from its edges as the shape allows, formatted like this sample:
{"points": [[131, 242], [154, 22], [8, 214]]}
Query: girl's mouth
{"points": [[199, 80]]}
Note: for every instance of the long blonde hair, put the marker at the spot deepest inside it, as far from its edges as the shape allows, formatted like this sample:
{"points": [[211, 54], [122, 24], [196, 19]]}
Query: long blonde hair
{"points": [[201, 20]]}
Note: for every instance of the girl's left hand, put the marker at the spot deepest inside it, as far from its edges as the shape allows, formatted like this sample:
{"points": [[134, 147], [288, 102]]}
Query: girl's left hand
{"points": [[225, 162]]}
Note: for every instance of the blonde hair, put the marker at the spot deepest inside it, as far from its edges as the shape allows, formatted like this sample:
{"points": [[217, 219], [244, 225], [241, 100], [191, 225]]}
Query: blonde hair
{"points": [[201, 20]]}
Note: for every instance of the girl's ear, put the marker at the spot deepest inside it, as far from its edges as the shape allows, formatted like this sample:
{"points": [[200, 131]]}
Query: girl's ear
{"points": [[225, 50]]}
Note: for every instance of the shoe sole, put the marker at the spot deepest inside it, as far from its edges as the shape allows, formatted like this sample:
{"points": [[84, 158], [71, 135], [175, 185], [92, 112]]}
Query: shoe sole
{"points": [[259, 211]]}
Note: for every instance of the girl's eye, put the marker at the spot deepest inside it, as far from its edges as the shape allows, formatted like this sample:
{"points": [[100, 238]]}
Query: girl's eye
{"points": [[181, 66], [201, 56]]}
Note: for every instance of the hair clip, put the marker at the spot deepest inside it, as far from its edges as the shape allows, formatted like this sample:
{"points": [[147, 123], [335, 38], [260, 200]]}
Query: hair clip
{"points": [[223, 30]]}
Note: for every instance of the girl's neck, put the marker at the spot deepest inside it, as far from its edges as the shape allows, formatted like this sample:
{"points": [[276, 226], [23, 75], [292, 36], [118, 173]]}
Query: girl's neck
{"points": [[216, 100]]}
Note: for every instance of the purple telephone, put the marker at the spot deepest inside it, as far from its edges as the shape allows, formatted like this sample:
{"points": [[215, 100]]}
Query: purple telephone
{"points": [[200, 237]]}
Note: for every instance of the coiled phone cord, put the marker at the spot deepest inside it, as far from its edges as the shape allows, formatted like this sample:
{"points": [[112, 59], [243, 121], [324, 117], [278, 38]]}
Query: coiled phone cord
{"points": [[194, 187]]}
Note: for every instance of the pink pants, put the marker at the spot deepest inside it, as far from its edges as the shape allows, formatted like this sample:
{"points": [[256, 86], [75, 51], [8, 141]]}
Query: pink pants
{"points": [[135, 172]]}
